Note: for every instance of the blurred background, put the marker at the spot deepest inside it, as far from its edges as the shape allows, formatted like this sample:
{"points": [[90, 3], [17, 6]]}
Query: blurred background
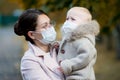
{"points": [[107, 12]]}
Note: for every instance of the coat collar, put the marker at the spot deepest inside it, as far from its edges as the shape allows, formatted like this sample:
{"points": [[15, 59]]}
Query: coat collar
{"points": [[49, 62], [37, 51]]}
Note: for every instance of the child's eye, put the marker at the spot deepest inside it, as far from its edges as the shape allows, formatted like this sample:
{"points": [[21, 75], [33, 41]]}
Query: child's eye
{"points": [[72, 19], [67, 18]]}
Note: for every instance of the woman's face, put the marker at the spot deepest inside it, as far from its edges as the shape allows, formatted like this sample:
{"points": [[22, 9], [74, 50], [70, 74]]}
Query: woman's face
{"points": [[43, 22]]}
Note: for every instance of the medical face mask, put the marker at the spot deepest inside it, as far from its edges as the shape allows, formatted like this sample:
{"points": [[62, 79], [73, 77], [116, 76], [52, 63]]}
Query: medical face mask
{"points": [[68, 27], [49, 35]]}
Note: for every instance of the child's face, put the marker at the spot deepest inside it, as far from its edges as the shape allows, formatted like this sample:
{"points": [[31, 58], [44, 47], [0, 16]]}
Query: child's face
{"points": [[76, 16]]}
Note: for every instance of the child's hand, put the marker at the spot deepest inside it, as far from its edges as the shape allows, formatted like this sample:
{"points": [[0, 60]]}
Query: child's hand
{"points": [[60, 69], [56, 46]]}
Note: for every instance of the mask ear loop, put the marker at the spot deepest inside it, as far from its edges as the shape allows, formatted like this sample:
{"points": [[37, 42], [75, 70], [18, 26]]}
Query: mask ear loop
{"points": [[34, 32], [41, 40], [31, 34]]}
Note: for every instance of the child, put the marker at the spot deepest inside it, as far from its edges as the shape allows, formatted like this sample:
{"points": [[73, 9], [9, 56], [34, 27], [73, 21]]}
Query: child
{"points": [[77, 53]]}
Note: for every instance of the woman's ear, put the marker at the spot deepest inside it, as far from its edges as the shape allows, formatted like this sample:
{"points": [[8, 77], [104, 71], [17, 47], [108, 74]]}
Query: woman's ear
{"points": [[31, 34]]}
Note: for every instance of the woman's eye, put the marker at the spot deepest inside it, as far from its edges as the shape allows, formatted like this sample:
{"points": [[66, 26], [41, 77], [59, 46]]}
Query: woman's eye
{"points": [[44, 26], [51, 23]]}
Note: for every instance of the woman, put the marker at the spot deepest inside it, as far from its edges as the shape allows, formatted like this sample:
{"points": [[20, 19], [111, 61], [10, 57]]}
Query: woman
{"points": [[39, 61]]}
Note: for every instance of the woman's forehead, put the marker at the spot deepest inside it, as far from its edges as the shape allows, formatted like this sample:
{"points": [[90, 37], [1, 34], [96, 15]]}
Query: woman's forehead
{"points": [[43, 18]]}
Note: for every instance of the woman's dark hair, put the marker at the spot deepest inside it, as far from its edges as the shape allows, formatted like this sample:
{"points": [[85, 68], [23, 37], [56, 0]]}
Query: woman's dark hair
{"points": [[27, 22]]}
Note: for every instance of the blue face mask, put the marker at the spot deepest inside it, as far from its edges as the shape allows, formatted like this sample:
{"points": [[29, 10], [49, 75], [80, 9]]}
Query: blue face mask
{"points": [[49, 35]]}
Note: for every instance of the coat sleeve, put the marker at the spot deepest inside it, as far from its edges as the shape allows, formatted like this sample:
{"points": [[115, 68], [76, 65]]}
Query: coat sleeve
{"points": [[31, 70], [84, 50]]}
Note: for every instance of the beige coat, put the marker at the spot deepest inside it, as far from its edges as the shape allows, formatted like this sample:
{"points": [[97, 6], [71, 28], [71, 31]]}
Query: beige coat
{"points": [[77, 53], [38, 65]]}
